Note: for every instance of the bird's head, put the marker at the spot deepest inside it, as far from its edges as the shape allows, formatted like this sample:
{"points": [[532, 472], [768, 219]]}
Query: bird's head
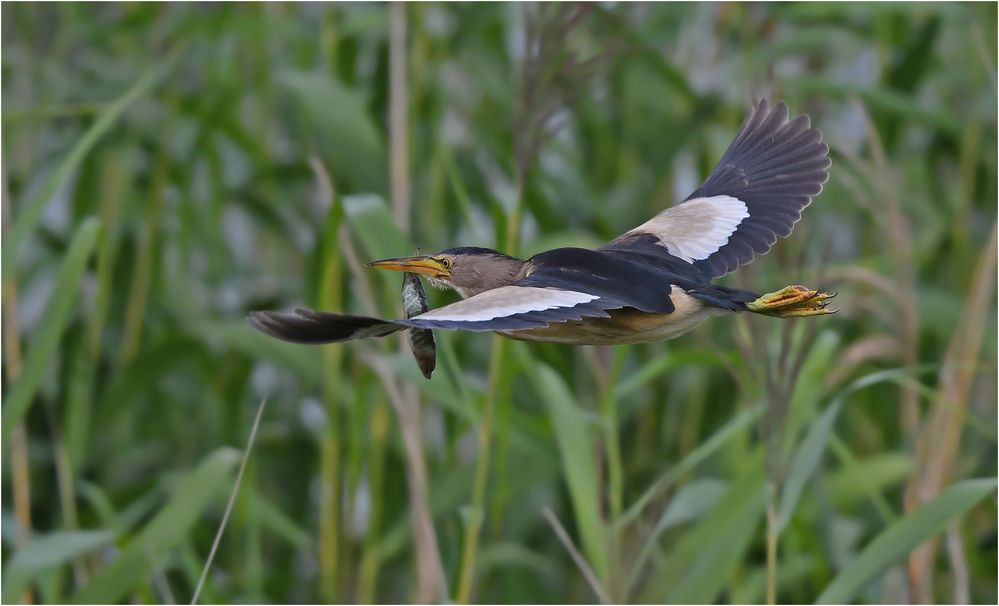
{"points": [[467, 270]]}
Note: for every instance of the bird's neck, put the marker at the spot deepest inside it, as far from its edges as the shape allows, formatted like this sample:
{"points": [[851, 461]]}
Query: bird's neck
{"points": [[501, 270]]}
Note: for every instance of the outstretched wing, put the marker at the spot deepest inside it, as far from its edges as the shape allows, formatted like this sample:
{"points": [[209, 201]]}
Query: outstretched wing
{"points": [[505, 308], [515, 307], [756, 193]]}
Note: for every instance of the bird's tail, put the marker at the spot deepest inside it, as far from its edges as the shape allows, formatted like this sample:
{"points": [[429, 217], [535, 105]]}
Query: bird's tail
{"points": [[788, 302], [315, 328]]}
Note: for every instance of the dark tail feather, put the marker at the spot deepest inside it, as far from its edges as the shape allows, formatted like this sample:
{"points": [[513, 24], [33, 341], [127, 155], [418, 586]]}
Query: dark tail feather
{"points": [[314, 328]]}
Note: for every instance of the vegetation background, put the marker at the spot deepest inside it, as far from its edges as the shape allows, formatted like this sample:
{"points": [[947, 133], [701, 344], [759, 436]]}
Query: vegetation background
{"points": [[169, 167]]}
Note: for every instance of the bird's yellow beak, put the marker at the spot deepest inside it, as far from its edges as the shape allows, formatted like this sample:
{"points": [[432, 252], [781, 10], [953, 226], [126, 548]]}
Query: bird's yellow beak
{"points": [[425, 266]]}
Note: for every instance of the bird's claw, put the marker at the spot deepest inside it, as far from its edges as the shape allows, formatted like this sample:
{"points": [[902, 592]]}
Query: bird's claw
{"points": [[792, 302]]}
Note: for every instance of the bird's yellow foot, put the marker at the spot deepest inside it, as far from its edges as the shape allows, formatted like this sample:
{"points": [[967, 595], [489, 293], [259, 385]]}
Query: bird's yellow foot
{"points": [[792, 302]]}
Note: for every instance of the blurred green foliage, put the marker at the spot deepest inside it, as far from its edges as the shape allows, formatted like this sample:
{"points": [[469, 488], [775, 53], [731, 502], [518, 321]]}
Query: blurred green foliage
{"points": [[169, 167]]}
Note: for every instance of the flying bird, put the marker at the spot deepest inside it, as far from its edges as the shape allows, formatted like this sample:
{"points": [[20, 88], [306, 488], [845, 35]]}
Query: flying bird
{"points": [[649, 284]]}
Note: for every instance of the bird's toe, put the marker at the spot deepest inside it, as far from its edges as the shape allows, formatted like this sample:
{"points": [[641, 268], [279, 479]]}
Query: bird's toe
{"points": [[792, 302]]}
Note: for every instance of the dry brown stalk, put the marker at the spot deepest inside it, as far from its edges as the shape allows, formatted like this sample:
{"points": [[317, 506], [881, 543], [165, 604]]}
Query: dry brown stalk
{"points": [[940, 436], [21, 478]]}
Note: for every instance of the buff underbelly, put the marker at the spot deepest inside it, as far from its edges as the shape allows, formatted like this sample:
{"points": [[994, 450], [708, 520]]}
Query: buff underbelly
{"points": [[624, 325]]}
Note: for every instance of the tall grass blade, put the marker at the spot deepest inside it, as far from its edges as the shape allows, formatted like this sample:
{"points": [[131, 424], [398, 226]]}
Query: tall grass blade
{"points": [[699, 563], [30, 212], [937, 445], [734, 427], [809, 453], [47, 552], [691, 502], [657, 366], [166, 530], [232, 499], [577, 557], [881, 471], [718, 556], [575, 449], [806, 461], [235, 336], [812, 384], [896, 541], [352, 146], [45, 343], [370, 219]]}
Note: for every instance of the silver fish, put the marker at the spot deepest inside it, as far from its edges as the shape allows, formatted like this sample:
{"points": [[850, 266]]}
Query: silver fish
{"points": [[421, 340]]}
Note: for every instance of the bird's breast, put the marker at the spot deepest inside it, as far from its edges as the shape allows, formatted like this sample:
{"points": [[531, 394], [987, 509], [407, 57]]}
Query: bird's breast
{"points": [[624, 325]]}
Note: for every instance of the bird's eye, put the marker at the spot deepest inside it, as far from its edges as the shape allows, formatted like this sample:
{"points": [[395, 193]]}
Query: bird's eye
{"points": [[446, 262]]}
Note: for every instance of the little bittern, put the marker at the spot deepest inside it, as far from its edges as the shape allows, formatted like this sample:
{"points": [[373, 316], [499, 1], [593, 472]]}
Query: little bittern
{"points": [[649, 284]]}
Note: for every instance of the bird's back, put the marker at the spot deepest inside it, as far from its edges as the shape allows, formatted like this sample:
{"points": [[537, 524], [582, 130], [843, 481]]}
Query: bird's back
{"points": [[645, 287]]}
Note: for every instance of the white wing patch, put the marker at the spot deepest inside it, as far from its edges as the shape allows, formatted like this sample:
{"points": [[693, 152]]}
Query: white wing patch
{"points": [[507, 301], [696, 228]]}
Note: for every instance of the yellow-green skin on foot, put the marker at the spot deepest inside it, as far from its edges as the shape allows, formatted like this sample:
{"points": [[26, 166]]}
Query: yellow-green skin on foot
{"points": [[792, 302]]}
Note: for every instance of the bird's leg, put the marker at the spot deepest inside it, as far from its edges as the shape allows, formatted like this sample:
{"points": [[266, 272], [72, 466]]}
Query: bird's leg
{"points": [[792, 302]]}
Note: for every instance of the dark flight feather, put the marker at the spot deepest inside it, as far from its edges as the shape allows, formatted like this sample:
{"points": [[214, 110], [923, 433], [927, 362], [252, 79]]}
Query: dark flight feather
{"points": [[313, 328], [775, 167]]}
